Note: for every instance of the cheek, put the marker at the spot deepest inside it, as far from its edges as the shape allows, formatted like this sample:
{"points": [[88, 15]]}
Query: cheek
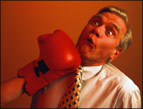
{"points": [[106, 43], [88, 28], [82, 48], [105, 48]]}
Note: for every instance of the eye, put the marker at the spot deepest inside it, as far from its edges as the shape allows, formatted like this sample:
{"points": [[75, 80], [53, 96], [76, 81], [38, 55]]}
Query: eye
{"points": [[96, 23], [110, 32]]}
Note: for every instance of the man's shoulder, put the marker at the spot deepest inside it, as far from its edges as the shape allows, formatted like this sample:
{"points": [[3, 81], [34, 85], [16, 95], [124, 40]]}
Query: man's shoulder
{"points": [[121, 78], [112, 68]]}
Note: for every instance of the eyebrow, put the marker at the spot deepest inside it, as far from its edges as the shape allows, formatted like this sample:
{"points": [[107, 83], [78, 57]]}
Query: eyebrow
{"points": [[96, 16], [115, 27], [99, 16]]}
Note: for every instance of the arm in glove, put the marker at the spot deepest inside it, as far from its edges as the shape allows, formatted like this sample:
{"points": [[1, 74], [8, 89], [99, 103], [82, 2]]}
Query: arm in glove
{"points": [[58, 57]]}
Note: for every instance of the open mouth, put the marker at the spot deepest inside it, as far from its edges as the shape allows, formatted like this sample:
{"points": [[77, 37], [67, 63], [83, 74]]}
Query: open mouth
{"points": [[90, 42]]}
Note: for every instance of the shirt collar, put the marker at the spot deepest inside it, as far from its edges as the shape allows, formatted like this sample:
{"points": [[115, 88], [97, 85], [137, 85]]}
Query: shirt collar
{"points": [[90, 71]]}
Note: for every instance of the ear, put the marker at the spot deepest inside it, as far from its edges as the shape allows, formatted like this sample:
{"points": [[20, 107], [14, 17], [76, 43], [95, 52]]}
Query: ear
{"points": [[115, 54]]}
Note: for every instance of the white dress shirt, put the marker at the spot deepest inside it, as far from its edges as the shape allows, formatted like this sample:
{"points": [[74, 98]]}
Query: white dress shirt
{"points": [[103, 87]]}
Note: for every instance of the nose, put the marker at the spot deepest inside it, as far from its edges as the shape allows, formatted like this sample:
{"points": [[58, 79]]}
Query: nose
{"points": [[97, 34], [98, 31]]}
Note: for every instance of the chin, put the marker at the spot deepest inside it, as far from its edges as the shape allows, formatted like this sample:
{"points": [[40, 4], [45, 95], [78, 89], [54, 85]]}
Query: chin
{"points": [[84, 55], [84, 58], [84, 49]]}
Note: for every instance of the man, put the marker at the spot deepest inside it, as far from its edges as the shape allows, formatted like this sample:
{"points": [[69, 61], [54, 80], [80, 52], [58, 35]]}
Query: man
{"points": [[103, 86]]}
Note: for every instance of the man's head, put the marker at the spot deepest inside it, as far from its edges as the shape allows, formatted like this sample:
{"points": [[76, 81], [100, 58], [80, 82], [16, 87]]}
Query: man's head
{"points": [[104, 37]]}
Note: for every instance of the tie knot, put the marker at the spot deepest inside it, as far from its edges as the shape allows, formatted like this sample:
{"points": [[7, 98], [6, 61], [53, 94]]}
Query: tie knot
{"points": [[80, 68], [79, 71]]}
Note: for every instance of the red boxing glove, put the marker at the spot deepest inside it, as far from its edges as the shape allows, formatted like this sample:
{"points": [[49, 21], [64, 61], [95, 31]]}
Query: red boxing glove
{"points": [[58, 57]]}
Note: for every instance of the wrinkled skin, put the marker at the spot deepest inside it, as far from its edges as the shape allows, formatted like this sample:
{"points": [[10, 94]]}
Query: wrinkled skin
{"points": [[100, 37]]}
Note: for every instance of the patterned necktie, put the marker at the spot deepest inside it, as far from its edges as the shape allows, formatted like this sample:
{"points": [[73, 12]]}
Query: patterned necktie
{"points": [[72, 95]]}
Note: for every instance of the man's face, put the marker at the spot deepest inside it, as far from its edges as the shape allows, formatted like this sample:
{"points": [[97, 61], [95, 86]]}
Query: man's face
{"points": [[100, 37]]}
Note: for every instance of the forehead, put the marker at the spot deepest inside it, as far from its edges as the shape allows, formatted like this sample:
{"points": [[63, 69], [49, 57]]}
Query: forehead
{"points": [[111, 17]]}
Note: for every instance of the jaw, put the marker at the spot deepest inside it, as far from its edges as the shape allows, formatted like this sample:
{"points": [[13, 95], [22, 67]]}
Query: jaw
{"points": [[88, 62], [90, 57]]}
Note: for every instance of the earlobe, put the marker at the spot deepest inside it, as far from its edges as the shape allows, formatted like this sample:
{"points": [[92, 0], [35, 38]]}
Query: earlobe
{"points": [[115, 54]]}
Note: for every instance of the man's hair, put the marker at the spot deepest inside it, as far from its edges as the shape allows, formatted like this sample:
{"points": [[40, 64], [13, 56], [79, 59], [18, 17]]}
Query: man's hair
{"points": [[126, 40]]}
